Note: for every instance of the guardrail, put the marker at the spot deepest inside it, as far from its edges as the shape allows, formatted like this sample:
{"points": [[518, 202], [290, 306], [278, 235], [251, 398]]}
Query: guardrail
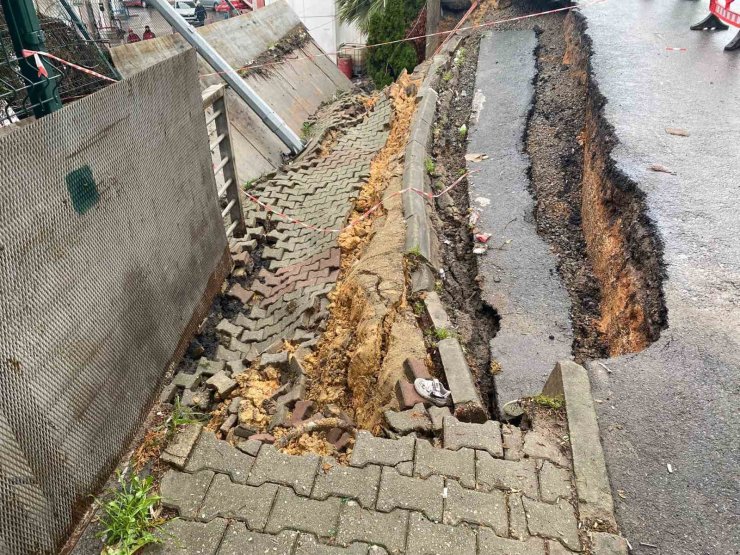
{"points": [[217, 122]]}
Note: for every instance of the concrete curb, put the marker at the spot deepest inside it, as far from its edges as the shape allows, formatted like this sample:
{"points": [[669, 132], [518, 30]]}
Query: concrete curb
{"points": [[589, 465]]}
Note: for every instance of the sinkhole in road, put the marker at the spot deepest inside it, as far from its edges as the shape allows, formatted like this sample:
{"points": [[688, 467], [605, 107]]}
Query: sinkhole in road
{"points": [[593, 216]]}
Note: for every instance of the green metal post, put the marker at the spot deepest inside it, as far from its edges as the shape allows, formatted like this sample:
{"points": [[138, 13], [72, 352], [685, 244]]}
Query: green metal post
{"points": [[25, 32]]}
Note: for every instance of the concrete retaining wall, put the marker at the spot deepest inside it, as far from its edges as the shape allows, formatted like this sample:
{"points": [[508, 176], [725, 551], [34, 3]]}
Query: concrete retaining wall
{"points": [[110, 238], [294, 87]]}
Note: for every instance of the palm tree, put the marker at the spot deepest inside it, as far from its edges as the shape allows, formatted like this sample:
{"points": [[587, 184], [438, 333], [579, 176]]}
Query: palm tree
{"points": [[359, 11]]}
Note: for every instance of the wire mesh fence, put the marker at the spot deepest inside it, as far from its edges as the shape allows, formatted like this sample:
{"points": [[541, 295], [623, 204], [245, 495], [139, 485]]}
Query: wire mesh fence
{"points": [[66, 36]]}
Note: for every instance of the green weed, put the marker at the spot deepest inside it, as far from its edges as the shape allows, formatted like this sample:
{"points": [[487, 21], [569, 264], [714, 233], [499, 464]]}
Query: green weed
{"points": [[460, 56], [415, 252], [555, 403], [307, 130], [463, 131], [441, 333], [429, 166], [128, 519], [181, 416], [447, 76]]}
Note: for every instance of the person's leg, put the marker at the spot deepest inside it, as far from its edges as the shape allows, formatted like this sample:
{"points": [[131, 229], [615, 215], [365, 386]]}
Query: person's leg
{"points": [[710, 23]]}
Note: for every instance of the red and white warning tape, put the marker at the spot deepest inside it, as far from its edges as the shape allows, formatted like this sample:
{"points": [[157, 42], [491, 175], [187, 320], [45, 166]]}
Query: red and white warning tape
{"points": [[364, 215], [42, 69], [724, 12]]}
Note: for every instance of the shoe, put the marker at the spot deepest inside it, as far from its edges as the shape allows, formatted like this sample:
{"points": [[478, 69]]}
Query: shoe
{"points": [[433, 391]]}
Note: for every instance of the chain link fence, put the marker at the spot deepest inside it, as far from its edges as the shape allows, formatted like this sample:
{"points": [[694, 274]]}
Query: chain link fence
{"points": [[67, 36]]}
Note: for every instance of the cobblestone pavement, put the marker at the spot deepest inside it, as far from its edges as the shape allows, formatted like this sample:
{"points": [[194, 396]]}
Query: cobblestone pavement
{"points": [[486, 489]]}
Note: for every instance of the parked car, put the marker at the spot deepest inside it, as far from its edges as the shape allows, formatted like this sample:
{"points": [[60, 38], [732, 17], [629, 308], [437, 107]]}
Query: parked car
{"points": [[186, 9], [209, 4], [136, 3], [222, 7]]}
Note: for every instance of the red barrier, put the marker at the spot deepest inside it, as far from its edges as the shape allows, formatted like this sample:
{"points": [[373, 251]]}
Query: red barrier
{"points": [[724, 12]]}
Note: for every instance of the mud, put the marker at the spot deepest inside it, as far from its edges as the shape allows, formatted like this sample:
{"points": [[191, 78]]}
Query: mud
{"points": [[370, 330]]}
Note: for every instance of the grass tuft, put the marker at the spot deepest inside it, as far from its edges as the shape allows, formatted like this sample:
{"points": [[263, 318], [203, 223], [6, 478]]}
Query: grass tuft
{"points": [[555, 403], [128, 520]]}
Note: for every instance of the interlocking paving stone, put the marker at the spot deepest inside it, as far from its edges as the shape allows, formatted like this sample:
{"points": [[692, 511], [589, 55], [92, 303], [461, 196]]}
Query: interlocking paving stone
{"points": [[475, 507], [541, 446], [177, 451], [555, 483], [403, 492], [385, 529], [239, 540], [375, 450], [297, 472], [430, 538], [438, 414], [346, 481], [556, 548], [557, 522], [308, 545], [185, 492], [517, 519], [291, 512], [246, 503], [486, 436], [607, 544], [508, 475], [513, 442], [459, 465], [414, 419], [211, 453], [182, 537], [490, 544]]}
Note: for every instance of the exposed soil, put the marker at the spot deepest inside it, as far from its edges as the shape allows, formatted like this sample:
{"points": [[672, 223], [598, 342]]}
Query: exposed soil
{"points": [[458, 287]]}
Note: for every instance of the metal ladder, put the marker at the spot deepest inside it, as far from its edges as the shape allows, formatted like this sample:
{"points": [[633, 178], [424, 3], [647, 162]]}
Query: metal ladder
{"points": [[214, 106]]}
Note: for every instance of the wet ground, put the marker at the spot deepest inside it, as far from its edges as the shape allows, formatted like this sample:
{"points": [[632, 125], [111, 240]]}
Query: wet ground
{"points": [[669, 415]]}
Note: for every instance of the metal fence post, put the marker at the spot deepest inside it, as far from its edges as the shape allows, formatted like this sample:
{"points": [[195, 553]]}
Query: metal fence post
{"points": [[25, 32]]}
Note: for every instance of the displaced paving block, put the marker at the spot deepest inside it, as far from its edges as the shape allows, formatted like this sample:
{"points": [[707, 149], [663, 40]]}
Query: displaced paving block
{"points": [[348, 482], [248, 351], [224, 354], [402, 492], [458, 465], [208, 367], [607, 544], [234, 501], [297, 472], [308, 545], [415, 419], [240, 294], [438, 414], [428, 537], [386, 530], [541, 446], [229, 423], [375, 450], [182, 537], [228, 330], [187, 381], [416, 368], [486, 436], [436, 312], [211, 453], [555, 483], [185, 492], [517, 519], [250, 446], [476, 507], [555, 547], [468, 405], [277, 360], [513, 442], [222, 383], [407, 395], [177, 450], [306, 515], [557, 522], [507, 475], [490, 544], [239, 540]]}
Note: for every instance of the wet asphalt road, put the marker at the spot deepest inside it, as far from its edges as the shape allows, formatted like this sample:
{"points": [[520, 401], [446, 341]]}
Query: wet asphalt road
{"points": [[677, 402]]}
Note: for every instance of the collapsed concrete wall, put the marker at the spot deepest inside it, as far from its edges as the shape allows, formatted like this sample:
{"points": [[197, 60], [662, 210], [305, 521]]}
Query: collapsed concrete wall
{"points": [[294, 76], [111, 245]]}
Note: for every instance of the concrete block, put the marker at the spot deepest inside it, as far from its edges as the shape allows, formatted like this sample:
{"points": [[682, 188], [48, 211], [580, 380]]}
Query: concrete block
{"points": [[458, 465], [214, 454], [306, 515], [589, 466], [402, 492], [476, 507], [239, 540], [374, 450], [436, 312], [297, 472], [414, 419], [200, 538], [468, 404], [348, 482], [235, 501], [507, 475], [555, 483], [177, 451], [608, 544], [429, 537], [491, 544], [185, 492], [556, 522], [486, 436], [359, 525]]}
